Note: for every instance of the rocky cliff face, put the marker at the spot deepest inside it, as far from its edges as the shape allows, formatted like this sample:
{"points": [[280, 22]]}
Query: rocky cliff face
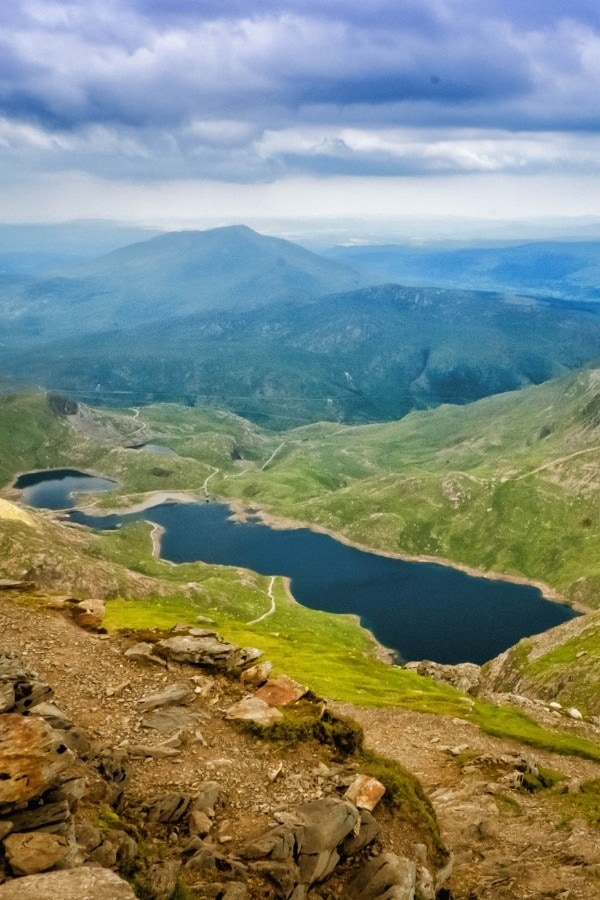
{"points": [[560, 666]]}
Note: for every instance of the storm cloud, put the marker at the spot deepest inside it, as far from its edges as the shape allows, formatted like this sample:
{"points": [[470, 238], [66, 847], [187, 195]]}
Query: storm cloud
{"points": [[252, 91]]}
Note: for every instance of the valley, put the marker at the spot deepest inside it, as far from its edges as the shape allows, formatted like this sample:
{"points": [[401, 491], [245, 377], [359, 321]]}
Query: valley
{"points": [[416, 427]]}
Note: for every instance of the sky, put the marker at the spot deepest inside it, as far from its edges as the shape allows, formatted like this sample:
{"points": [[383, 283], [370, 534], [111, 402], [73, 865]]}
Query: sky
{"points": [[192, 113]]}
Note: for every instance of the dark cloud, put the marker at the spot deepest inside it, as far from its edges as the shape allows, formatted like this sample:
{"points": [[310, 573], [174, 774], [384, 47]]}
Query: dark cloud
{"points": [[192, 86]]}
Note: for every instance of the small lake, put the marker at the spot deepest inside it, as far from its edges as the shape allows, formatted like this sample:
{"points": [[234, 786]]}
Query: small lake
{"points": [[421, 610], [54, 488]]}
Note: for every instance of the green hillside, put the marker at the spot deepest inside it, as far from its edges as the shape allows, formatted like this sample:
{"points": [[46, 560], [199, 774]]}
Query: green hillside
{"points": [[560, 665], [363, 356]]}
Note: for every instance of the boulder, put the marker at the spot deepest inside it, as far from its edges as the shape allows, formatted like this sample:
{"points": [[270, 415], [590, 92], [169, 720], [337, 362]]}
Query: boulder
{"points": [[207, 649], [35, 852], [387, 876], [89, 614], [326, 823], [464, 676], [253, 709], [280, 691], [70, 884], [257, 675], [31, 758]]}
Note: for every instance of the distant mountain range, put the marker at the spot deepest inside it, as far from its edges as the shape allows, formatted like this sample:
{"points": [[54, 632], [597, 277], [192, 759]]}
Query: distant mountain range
{"points": [[567, 269], [169, 276], [231, 318]]}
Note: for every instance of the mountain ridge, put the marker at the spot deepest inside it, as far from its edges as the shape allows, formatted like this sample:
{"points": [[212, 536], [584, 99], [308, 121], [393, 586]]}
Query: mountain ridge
{"points": [[373, 354], [168, 276]]}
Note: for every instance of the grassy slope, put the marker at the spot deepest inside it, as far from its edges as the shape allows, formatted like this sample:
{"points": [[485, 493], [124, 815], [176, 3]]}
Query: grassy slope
{"points": [[31, 436], [562, 664]]}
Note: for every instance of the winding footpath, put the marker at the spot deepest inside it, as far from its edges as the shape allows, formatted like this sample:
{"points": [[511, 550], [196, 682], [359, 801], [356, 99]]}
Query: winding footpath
{"points": [[272, 608], [273, 455], [214, 472]]}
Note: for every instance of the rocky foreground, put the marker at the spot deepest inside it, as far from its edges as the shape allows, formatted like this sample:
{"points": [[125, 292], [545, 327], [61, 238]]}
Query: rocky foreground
{"points": [[138, 766]]}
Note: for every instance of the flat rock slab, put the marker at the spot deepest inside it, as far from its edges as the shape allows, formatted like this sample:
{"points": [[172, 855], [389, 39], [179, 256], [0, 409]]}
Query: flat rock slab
{"points": [[31, 758], [365, 792], [280, 691], [70, 884], [144, 652], [174, 695], [253, 709]]}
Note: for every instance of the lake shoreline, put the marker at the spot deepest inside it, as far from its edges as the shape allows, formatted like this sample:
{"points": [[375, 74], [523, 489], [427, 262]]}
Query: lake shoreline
{"points": [[241, 513]]}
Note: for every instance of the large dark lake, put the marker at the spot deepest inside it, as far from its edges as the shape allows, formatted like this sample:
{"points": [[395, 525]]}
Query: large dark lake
{"points": [[421, 610]]}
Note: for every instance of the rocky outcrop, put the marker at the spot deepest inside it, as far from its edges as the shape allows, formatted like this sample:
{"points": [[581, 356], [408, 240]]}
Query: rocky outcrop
{"points": [[464, 676], [536, 668], [69, 806], [320, 834], [39, 787], [201, 647]]}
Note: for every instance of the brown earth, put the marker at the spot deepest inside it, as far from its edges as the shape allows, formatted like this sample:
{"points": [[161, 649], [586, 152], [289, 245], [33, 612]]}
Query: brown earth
{"points": [[507, 842]]}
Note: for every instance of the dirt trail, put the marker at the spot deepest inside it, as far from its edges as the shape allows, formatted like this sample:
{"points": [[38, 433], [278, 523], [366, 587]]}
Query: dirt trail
{"points": [[513, 844]]}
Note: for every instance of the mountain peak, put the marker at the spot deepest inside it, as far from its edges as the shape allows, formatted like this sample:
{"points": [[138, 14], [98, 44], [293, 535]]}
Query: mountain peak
{"points": [[182, 273]]}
